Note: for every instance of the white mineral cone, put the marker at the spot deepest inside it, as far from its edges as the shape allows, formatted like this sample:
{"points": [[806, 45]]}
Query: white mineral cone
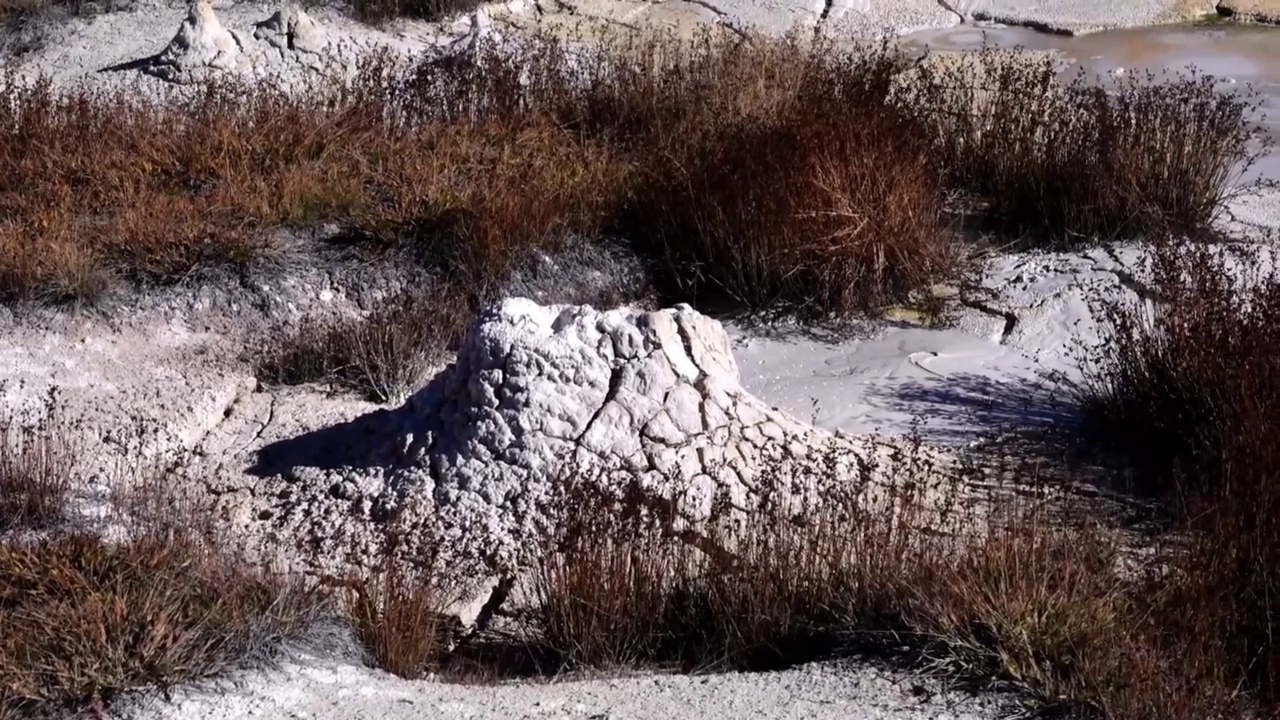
{"points": [[202, 43]]}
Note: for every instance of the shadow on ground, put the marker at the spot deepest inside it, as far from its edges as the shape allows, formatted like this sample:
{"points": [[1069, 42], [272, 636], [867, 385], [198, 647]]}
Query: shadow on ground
{"points": [[968, 406], [352, 444], [1025, 434]]}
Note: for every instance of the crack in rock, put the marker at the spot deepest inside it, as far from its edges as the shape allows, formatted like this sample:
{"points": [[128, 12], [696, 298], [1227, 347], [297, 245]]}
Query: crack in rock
{"points": [[722, 17], [610, 396], [703, 3], [262, 429]]}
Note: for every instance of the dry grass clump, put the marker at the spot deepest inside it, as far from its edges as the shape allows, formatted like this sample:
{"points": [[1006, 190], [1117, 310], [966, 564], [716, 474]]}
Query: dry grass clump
{"points": [[125, 188], [833, 208], [473, 166], [384, 355], [1088, 161], [472, 197], [1059, 613], [401, 620], [759, 173], [12, 8], [1189, 385], [1188, 393], [35, 475], [625, 586], [85, 619], [399, 609], [1049, 611], [782, 177]]}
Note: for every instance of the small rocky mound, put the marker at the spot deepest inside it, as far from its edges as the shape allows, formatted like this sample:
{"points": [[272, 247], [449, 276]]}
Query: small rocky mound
{"points": [[543, 397], [201, 45], [289, 42], [295, 35]]}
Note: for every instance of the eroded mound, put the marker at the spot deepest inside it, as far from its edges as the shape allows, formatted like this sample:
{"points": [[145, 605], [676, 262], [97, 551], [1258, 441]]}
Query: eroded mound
{"points": [[289, 42], [202, 45], [543, 398]]}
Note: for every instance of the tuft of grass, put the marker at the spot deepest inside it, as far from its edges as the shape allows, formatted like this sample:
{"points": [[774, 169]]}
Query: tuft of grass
{"points": [[1049, 612], [473, 197], [628, 583], [36, 467], [790, 181], [399, 612], [164, 191], [1094, 160], [85, 621], [384, 355], [1063, 614], [1187, 387]]}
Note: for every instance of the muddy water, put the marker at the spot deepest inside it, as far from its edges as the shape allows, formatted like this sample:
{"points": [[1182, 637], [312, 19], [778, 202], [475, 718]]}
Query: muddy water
{"points": [[1240, 56]]}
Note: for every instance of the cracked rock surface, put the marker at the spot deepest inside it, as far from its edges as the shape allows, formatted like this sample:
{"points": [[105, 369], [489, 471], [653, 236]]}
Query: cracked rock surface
{"points": [[542, 397]]}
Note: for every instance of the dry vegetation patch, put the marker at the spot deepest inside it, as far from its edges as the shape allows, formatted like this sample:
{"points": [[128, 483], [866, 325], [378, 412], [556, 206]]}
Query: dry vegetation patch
{"points": [[85, 619], [783, 176], [624, 585], [399, 610], [1098, 159], [1048, 611], [384, 355], [429, 10], [1187, 394], [754, 173]]}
